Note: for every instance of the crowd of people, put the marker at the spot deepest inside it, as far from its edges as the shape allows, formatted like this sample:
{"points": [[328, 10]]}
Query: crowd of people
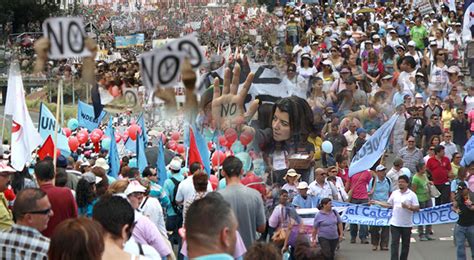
{"points": [[348, 66]]}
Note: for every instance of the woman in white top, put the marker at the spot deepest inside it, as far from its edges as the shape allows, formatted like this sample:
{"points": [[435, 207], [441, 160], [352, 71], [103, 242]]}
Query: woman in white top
{"points": [[306, 68], [438, 73]]}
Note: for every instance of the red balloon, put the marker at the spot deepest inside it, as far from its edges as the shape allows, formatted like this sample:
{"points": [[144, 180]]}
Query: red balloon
{"points": [[67, 132], [180, 148], [209, 145], [95, 138], [231, 135], [73, 143], [118, 137], [217, 158], [214, 181], [133, 131], [82, 137], [222, 141], [83, 130], [175, 136], [172, 145], [98, 131], [245, 138], [115, 91]]}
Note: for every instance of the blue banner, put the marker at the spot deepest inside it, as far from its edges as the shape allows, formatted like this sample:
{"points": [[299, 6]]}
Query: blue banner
{"points": [[373, 148], [129, 41], [377, 216], [46, 126], [114, 160], [85, 116]]}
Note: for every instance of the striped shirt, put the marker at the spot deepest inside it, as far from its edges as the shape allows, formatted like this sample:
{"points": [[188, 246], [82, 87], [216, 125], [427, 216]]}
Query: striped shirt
{"points": [[22, 242], [411, 158]]}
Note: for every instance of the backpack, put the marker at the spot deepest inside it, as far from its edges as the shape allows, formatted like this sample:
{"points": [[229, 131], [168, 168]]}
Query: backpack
{"points": [[388, 180], [178, 209]]}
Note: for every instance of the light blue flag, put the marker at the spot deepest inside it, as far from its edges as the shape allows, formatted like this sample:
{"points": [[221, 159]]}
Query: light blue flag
{"points": [[114, 160], [373, 148], [141, 157], [46, 126], [468, 156], [160, 164], [141, 123], [131, 145], [85, 116]]}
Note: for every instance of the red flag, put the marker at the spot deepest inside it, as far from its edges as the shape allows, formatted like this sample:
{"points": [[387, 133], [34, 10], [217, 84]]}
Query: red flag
{"points": [[193, 153], [47, 149]]}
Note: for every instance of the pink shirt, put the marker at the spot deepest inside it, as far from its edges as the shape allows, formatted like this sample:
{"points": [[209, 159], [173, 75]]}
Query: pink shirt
{"points": [[359, 184], [471, 119], [146, 232]]}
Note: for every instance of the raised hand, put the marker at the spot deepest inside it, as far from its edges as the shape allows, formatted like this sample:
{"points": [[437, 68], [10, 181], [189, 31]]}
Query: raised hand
{"points": [[228, 106]]}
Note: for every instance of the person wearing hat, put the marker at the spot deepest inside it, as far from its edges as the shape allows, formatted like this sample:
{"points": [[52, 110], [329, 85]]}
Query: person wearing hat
{"points": [[291, 177], [306, 69], [86, 195], [393, 40], [102, 163], [416, 54], [6, 218], [328, 74], [303, 200], [418, 34], [339, 84], [380, 188]]}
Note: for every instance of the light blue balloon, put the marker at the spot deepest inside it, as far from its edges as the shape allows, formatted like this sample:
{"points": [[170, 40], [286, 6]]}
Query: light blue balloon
{"points": [[72, 124], [106, 143], [327, 147]]}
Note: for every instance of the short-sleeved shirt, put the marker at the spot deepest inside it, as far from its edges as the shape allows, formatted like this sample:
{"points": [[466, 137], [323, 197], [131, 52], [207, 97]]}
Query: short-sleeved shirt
{"points": [[247, 205], [459, 129], [429, 131], [305, 203], [421, 183], [359, 184], [402, 217], [326, 222], [382, 188], [439, 169]]}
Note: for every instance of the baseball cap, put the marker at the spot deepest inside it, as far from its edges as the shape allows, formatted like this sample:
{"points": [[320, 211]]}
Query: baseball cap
{"points": [[411, 44], [302, 185], [133, 187], [361, 130], [91, 178], [380, 167], [454, 70], [175, 165]]}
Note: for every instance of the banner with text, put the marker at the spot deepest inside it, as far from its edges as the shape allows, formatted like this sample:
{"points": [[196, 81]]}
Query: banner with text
{"points": [[129, 41], [85, 116], [46, 126]]}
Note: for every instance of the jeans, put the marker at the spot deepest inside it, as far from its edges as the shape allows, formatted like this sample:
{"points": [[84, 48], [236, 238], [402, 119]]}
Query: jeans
{"points": [[425, 230], [379, 236], [173, 223], [445, 191], [404, 233], [328, 247], [460, 235], [364, 229]]}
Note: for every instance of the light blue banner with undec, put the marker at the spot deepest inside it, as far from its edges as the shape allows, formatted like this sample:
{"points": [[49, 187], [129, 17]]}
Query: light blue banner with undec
{"points": [[371, 151], [46, 127], [377, 216], [85, 116], [129, 41]]}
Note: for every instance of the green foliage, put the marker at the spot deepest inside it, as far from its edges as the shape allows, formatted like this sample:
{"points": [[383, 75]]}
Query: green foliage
{"points": [[23, 12]]}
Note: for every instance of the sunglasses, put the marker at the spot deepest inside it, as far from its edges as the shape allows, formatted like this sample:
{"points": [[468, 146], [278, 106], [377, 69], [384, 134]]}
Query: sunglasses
{"points": [[41, 212]]}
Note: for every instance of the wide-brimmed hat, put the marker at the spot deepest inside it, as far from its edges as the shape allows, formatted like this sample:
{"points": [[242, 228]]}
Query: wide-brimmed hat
{"points": [[292, 173], [302, 185]]}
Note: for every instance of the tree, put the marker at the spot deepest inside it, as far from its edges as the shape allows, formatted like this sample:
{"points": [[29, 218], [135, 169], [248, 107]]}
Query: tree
{"points": [[23, 12]]}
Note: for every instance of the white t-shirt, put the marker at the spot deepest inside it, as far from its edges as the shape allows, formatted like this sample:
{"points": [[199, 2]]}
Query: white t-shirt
{"points": [[402, 217], [132, 247], [186, 189], [151, 208]]}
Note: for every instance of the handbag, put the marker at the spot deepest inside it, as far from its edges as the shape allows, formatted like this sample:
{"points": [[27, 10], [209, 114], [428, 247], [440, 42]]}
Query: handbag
{"points": [[433, 191], [279, 236]]}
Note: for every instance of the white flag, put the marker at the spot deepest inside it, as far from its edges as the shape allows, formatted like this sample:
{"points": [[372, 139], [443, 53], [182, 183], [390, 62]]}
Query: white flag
{"points": [[24, 138], [468, 23]]}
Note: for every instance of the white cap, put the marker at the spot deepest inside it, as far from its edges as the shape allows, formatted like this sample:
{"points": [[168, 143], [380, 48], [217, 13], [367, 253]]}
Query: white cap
{"points": [[175, 165], [102, 163], [134, 186], [380, 167], [411, 44], [327, 62], [302, 185]]}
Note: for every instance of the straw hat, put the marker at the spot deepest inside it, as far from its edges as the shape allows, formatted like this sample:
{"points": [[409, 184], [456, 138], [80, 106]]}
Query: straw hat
{"points": [[292, 173]]}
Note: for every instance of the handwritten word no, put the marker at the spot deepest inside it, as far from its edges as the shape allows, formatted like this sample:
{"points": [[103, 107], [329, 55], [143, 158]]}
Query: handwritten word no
{"points": [[228, 109]]}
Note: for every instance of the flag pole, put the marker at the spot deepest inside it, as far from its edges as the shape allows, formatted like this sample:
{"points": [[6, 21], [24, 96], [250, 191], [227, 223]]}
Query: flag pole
{"points": [[56, 126]]}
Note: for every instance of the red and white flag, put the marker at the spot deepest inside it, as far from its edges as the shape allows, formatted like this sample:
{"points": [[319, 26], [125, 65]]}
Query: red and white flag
{"points": [[25, 138]]}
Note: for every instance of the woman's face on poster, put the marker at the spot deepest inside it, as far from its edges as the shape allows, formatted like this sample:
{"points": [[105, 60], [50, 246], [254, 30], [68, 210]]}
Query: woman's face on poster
{"points": [[281, 126]]}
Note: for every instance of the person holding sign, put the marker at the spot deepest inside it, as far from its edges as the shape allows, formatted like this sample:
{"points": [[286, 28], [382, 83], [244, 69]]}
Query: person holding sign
{"points": [[403, 203]]}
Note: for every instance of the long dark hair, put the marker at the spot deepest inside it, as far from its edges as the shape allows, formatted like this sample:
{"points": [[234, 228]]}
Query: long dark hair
{"points": [[84, 193], [18, 180]]}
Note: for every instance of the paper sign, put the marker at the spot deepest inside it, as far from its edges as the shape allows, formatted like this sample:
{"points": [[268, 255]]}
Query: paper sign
{"points": [[253, 32], [67, 37]]}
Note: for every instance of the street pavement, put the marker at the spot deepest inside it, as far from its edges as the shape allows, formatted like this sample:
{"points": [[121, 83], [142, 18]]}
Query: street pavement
{"points": [[440, 249]]}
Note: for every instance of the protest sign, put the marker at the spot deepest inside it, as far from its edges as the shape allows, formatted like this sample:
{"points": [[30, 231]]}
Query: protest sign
{"points": [[424, 7], [66, 36], [371, 151], [161, 67], [129, 41], [46, 127], [86, 117], [160, 43], [377, 216]]}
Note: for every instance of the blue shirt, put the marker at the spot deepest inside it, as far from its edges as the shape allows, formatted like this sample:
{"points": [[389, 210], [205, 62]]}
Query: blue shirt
{"points": [[215, 257], [382, 189], [158, 192], [169, 189], [308, 203]]}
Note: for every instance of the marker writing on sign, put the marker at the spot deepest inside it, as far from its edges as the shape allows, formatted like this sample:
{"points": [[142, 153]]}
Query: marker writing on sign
{"points": [[228, 109], [74, 39]]}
